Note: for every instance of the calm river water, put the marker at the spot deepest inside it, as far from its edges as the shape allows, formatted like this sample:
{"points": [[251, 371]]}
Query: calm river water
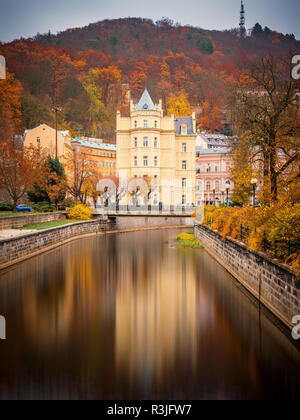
{"points": [[130, 316]]}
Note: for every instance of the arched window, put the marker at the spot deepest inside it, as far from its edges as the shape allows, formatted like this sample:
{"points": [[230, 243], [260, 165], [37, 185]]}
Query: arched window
{"points": [[217, 186], [208, 186]]}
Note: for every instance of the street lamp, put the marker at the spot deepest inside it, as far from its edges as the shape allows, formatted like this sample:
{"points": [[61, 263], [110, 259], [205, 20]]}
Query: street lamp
{"points": [[227, 195], [254, 182], [223, 193]]}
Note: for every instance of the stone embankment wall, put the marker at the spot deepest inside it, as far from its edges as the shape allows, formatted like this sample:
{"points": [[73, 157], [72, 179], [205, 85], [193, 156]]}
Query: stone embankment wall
{"points": [[272, 283], [29, 219], [18, 249]]}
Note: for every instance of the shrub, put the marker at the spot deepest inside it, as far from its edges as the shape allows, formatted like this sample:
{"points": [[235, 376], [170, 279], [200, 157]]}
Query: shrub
{"points": [[80, 212], [188, 240], [6, 207], [43, 207], [277, 223]]}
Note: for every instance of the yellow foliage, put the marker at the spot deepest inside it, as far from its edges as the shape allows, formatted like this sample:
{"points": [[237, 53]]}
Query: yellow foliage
{"points": [[185, 237], [278, 223], [80, 212], [179, 105]]}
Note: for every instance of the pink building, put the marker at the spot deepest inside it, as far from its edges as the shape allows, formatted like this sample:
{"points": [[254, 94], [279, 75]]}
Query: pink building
{"points": [[213, 183]]}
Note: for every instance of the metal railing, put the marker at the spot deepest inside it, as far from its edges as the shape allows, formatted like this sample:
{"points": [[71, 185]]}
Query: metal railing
{"points": [[278, 248]]}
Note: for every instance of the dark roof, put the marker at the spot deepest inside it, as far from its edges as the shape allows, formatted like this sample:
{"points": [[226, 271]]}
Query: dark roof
{"points": [[216, 151], [188, 121]]}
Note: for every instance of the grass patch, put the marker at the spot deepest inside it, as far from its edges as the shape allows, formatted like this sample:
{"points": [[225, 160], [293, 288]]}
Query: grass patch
{"points": [[47, 225], [188, 240], [7, 214]]}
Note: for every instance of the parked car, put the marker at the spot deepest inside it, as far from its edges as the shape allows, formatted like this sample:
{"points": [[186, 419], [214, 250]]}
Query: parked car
{"points": [[23, 208]]}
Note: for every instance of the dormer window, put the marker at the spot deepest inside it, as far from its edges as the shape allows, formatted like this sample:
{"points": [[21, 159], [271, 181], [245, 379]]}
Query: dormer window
{"points": [[145, 107], [183, 129]]}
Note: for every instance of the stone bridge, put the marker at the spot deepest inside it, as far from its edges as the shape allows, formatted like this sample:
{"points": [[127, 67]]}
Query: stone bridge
{"points": [[124, 219]]}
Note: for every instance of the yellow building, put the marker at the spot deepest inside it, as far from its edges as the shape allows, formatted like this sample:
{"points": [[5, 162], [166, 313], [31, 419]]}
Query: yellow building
{"points": [[100, 156], [45, 137], [160, 148]]}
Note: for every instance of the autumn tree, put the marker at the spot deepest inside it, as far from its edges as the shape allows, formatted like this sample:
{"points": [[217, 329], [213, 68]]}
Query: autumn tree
{"points": [[242, 171], [266, 111], [51, 186], [80, 172], [10, 108], [19, 169], [179, 105]]}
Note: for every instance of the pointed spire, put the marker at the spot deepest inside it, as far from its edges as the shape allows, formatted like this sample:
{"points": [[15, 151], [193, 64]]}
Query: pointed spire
{"points": [[145, 103]]}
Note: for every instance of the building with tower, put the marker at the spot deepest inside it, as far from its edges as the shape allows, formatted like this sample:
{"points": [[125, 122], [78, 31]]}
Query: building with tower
{"points": [[158, 149]]}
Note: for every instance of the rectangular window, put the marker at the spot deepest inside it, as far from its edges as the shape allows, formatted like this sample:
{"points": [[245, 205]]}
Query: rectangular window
{"points": [[145, 142], [145, 160], [135, 124], [183, 147], [135, 161], [155, 161], [145, 124], [217, 167], [135, 142], [155, 143], [183, 199], [208, 168], [155, 124], [184, 165], [38, 140], [183, 182]]}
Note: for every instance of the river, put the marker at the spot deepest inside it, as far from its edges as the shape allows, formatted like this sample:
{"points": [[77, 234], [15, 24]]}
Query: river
{"points": [[131, 316]]}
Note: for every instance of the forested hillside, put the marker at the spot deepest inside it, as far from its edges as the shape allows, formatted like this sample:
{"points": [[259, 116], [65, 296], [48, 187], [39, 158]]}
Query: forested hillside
{"points": [[86, 71]]}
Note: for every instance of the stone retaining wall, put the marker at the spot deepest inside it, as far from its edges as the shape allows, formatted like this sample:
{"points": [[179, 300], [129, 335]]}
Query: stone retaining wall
{"points": [[272, 283], [29, 219], [18, 249]]}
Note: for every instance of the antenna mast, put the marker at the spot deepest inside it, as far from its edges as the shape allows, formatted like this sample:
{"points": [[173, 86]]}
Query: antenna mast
{"points": [[242, 21]]}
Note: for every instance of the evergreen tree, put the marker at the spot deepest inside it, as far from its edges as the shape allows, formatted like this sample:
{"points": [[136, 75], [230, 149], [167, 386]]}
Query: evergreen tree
{"points": [[257, 31]]}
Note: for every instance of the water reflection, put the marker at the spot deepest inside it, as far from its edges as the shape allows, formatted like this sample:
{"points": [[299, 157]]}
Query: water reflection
{"points": [[132, 316]]}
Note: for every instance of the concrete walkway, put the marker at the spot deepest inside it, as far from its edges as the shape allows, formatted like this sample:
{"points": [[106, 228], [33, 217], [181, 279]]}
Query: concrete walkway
{"points": [[14, 233]]}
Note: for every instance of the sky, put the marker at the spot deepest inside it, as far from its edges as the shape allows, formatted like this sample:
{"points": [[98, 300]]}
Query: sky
{"points": [[25, 18]]}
